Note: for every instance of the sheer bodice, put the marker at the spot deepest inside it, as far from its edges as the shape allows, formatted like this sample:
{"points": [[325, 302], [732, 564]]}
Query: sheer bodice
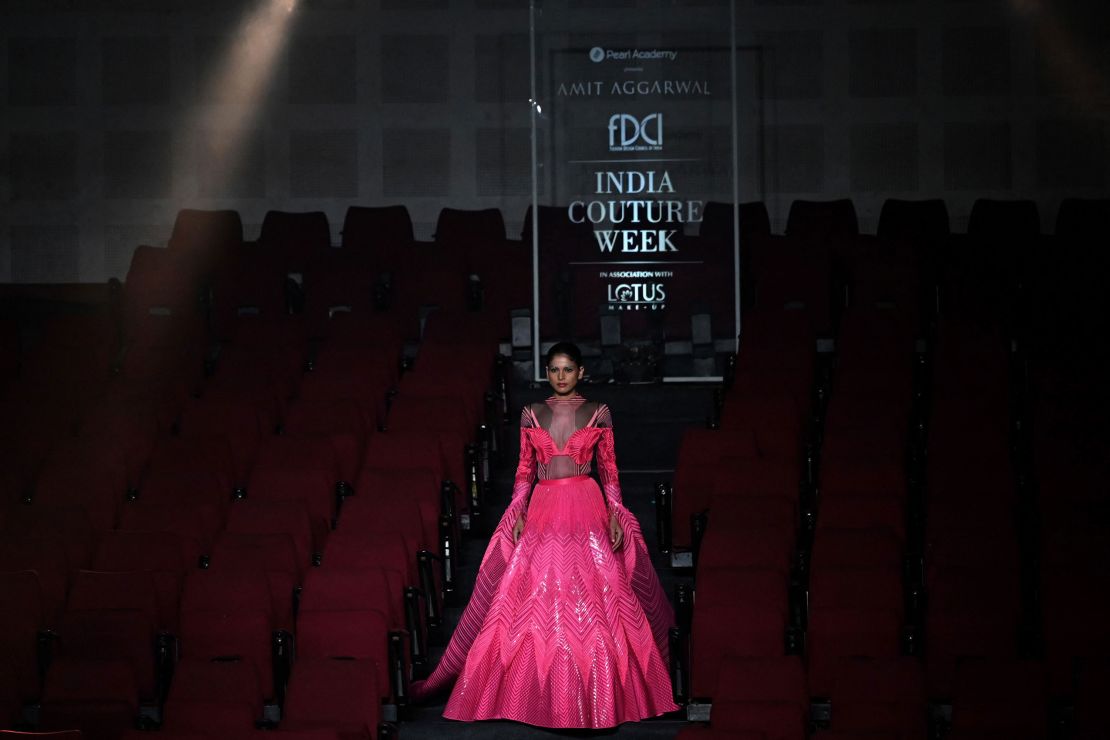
{"points": [[558, 439]]}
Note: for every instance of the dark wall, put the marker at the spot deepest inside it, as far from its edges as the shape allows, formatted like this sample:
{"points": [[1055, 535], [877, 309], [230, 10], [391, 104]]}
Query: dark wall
{"points": [[110, 119]]}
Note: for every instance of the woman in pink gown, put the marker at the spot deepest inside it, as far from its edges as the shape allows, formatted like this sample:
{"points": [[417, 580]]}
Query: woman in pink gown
{"points": [[567, 625]]}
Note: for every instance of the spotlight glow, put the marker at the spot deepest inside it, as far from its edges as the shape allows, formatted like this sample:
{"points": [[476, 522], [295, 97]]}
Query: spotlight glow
{"points": [[1064, 54], [242, 80]]}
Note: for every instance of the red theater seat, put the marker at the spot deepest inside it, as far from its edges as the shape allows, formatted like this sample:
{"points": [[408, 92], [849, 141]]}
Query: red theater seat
{"points": [[63, 529], [855, 548], [359, 381], [188, 456], [97, 493], [205, 493], [1091, 689], [109, 635], [22, 615], [227, 615], [338, 589], [1001, 696], [272, 557], [251, 517], [240, 423], [190, 525], [745, 630], [123, 433], [342, 695], [214, 696], [766, 695], [879, 695], [751, 512], [286, 491], [346, 635], [286, 453], [205, 237], [410, 450], [380, 228], [339, 422], [458, 227], [817, 220], [743, 547], [360, 550], [165, 555], [45, 556], [251, 285], [737, 587], [100, 697], [414, 519], [873, 513], [298, 239], [968, 616], [219, 718]]}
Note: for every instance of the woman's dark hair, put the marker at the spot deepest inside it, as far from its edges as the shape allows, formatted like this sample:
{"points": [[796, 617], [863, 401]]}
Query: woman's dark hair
{"points": [[569, 349]]}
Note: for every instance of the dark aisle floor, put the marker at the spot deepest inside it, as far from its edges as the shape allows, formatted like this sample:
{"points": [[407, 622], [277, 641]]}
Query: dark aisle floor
{"points": [[648, 421]]}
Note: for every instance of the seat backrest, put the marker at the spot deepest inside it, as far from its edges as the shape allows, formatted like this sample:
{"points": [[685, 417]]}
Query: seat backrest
{"points": [[763, 680], [306, 231], [385, 227], [717, 221], [206, 237], [1004, 219], [112, 590], [815, 221], [347, 589], [874, 588], [364, 550], [342, 694], [923, 222], [461, 227], [289, 517]]}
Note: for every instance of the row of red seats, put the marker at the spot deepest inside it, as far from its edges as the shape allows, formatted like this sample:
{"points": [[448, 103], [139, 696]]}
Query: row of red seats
{"points": [[886, 698], [221, 443], [855, 575], [117, 626], [738, 504]]}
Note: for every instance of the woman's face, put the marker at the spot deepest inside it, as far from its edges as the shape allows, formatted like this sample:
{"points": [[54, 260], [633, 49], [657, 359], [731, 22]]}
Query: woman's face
{"points": [[563, 373]]}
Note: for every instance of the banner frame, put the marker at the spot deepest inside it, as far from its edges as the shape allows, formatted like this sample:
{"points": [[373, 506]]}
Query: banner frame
{"points": [[535, 111]]}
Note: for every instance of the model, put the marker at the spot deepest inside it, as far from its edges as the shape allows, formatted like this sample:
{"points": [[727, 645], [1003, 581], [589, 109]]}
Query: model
{"points": [[567, 625]]}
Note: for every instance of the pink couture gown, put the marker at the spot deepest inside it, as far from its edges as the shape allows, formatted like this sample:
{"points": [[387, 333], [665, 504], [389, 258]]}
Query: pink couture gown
{"points": [[561, 630]]}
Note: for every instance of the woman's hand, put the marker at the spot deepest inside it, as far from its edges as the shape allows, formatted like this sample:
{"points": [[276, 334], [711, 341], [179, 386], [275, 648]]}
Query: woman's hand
{"points": [[616, 533], [518, 529]]}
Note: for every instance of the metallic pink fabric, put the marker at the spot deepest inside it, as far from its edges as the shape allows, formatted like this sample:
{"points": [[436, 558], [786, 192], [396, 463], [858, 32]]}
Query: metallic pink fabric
{"points": [[561, 630]]}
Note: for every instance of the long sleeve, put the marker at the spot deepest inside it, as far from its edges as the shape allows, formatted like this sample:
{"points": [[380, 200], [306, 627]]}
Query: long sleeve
{"points": [[607, 460], [525, 469]]}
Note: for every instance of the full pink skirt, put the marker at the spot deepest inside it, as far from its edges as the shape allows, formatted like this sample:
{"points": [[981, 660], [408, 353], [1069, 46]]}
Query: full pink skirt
{"points": [[566, 642]]}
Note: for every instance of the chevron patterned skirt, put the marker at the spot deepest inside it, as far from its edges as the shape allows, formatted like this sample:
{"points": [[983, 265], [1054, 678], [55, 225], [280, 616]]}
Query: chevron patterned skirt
{"points": [[566, 642]]}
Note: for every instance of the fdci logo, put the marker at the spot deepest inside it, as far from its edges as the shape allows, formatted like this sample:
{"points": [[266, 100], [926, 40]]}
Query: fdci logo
{"points": [[627, 133]]}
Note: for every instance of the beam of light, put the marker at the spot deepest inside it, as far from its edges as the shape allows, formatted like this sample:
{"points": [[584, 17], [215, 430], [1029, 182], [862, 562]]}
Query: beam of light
{"points": [[243, 78], [1063, 53]]}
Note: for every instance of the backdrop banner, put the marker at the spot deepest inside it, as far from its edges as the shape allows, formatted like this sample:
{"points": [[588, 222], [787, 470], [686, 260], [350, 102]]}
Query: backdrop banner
{"points": [[634, 136]]}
